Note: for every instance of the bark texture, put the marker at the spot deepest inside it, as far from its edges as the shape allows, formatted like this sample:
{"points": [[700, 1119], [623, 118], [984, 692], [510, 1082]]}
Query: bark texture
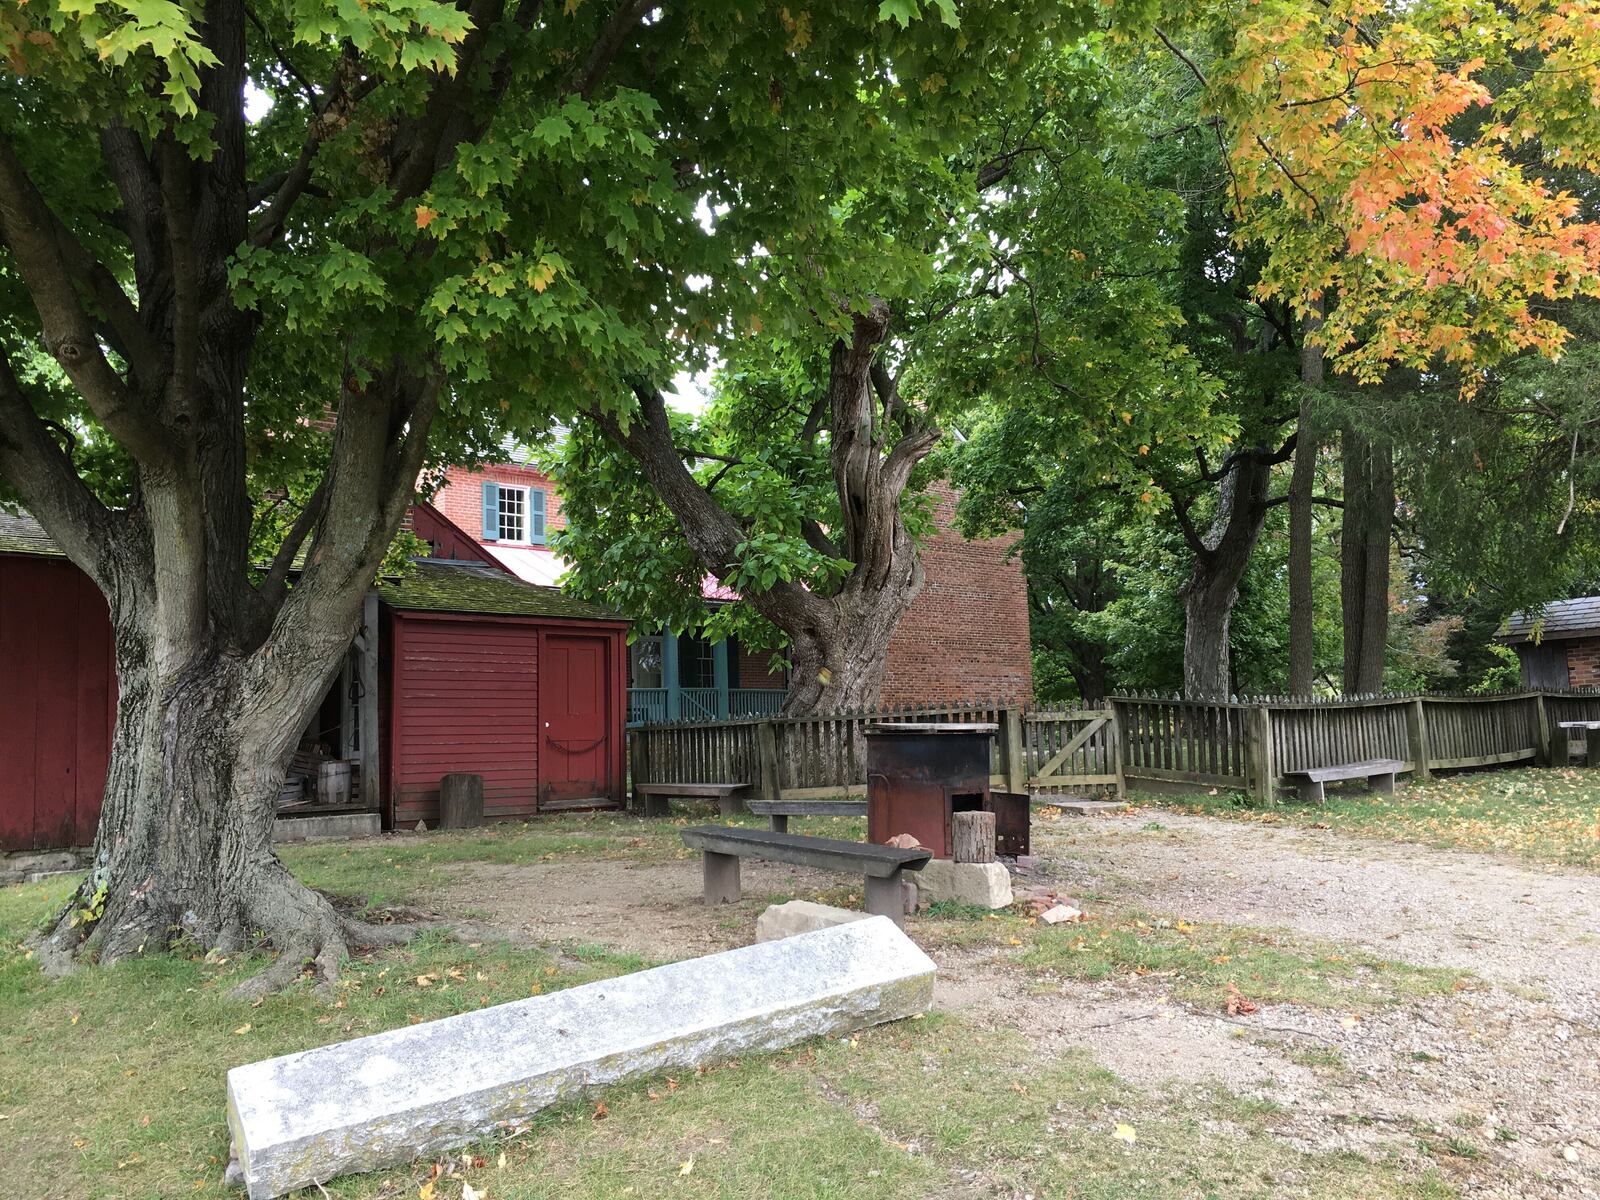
{"points": [[838, 642], [1221, 556], [1364, 558]]}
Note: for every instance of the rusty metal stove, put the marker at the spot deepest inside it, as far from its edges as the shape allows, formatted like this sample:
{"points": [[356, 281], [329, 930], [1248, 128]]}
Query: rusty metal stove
{"points": [[918, 773]]}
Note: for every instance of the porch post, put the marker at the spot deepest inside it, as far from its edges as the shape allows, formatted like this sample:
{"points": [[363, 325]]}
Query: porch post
{"points": [[669, 674], [719, 676]]}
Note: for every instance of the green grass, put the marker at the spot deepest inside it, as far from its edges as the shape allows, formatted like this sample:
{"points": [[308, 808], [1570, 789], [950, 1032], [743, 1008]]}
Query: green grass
{"points": [[1196, 962], [112, 1084], [1546, 814]]}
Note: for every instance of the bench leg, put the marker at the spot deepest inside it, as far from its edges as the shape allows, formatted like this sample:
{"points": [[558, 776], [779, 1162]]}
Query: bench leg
{"points": [[779, 822], [1591, 748], [722, 878], [729, 806], [657, 806], [1382, 784], [1311, 792], [885, 898]]}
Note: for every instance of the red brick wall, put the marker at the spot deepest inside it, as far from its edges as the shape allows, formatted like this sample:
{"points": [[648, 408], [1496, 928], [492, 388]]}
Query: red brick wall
{"points": [[460, 497], [966, 636], [1583, 662], [753, 671]]}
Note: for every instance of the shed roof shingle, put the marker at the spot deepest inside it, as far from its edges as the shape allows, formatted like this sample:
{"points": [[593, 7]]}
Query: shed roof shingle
{"points": [[437, 586], [21, 534], [1558, 619]]}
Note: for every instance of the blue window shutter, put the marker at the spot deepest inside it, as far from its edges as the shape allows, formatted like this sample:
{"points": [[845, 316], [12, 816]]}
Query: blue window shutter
{"points": [[491, 511], [536, 516]]}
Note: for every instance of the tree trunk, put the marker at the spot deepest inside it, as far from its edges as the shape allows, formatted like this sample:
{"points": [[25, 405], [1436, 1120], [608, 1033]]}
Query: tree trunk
{"points": [[1212, 589], [1364, 558], [1302, 481], [184, 847], [838, 643]]}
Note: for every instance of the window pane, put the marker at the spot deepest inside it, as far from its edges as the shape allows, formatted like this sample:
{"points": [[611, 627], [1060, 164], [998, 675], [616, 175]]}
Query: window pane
{"points": [[513, 514], [695, 665], [644, 663]]}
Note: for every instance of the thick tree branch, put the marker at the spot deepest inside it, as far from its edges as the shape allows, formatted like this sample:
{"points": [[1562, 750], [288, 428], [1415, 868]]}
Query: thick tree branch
{"points": [[613, 36], [27, 229]]}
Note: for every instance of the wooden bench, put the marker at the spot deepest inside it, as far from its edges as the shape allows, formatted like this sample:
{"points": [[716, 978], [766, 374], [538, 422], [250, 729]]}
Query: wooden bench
{"points": [[657, 796], [1589, 731], [778, 812], [881, 865], [1378, 772]]}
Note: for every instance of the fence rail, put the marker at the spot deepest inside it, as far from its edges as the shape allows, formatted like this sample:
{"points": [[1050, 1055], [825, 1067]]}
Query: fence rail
{"points": [[1253, 744]]}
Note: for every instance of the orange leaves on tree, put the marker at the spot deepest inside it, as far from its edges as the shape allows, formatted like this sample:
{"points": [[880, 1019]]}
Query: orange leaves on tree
{"points": [[1374, 160]]}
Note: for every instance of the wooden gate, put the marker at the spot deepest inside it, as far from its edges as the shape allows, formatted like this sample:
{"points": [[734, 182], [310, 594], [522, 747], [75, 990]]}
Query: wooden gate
{"points": [[1073, 749]]}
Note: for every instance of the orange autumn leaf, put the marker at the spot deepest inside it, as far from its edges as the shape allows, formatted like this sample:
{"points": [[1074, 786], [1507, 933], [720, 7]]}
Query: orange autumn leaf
{"points": [[425, 216]]}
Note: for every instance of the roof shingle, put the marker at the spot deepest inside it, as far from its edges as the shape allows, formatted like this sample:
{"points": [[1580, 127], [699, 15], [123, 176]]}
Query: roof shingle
{"points": [[1558, 619], [438, 586]]}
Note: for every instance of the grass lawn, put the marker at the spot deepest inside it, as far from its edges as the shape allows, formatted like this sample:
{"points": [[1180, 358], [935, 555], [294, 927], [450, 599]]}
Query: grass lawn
{"points": [[1547, 814], [111, 1084]]}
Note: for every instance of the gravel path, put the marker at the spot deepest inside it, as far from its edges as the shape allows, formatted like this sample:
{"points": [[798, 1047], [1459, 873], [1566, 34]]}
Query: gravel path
{"points": [[1498, 1085]]}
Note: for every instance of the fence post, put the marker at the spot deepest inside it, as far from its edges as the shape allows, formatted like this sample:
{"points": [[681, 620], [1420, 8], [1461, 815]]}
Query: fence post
{"points": [[767, 757], [1417, 739], [1544, 752], [1014, 750], [1263, 781], [638, 766], [1115, 725]]}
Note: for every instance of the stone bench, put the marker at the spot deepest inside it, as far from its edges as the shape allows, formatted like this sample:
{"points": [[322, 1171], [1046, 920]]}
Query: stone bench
{"points": [[881, 865], [412, 1092], [1587, 736], [1378, 772], [657, 796], [778, 812]]}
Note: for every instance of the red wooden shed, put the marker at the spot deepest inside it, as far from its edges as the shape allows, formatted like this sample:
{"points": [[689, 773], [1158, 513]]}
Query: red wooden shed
{"points": [[471, 670], [58, 693], [486, 674]]}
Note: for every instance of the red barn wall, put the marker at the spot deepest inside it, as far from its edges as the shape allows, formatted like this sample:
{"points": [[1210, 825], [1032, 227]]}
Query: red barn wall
{"points": [[463, 697], [966, 635], [58, 703]]}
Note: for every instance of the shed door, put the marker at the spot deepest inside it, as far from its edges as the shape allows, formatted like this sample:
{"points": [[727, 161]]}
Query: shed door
{"points": [[575, 724]]}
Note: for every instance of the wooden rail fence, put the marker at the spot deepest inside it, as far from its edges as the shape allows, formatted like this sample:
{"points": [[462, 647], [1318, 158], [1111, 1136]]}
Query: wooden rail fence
{"points": [[1248, 744]]}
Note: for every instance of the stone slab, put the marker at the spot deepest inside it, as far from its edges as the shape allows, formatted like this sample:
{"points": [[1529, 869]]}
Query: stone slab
{"points": [[1076, 806], [386, 1099], [326, 825], [801, 916], [986, 885]]}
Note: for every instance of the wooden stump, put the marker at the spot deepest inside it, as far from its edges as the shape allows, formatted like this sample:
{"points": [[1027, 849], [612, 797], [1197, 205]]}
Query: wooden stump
{"points": [[972, 837], [461, 802]]}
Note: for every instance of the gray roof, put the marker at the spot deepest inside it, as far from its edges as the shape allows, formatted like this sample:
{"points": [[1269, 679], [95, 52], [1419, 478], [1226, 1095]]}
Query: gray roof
{"points": [[1558, 619], [21, 534], [439, 585]]}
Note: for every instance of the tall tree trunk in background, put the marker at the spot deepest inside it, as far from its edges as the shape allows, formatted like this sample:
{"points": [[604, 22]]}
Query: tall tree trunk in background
{"points": [[1302, 482], [1364, 558], [1221, 556], [838, 643]]}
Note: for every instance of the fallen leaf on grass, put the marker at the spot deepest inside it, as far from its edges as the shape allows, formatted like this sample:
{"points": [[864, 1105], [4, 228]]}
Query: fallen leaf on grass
{"points": [[687, 1166], [425, 1192], [1239, 1005], [242, 1030], [468, 1192], [601, 1112], [1125, 1133]]}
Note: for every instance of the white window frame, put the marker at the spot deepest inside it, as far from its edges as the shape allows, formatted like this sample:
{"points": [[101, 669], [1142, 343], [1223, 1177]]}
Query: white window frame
{"points": [[525, 514]]}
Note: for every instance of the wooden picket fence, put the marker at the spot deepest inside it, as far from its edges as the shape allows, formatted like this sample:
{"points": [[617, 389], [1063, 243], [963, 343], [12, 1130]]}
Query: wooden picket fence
{"points": [[1252, 743], [799, 758]]}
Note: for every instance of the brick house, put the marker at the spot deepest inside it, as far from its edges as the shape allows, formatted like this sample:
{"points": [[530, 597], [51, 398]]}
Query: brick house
{"points": [[965, 636], [1558, 646]]}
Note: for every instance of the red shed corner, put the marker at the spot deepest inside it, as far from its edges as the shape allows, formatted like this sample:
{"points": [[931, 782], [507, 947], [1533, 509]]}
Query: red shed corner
{"points": [[486, 674]]}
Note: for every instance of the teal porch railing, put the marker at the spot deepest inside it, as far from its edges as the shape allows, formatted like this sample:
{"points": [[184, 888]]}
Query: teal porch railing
{"points": [[755, 702], [653, 706], [647, 706]]}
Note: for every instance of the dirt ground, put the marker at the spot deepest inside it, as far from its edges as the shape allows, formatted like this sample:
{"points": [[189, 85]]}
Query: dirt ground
{"points": [[1511, 1065]]}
